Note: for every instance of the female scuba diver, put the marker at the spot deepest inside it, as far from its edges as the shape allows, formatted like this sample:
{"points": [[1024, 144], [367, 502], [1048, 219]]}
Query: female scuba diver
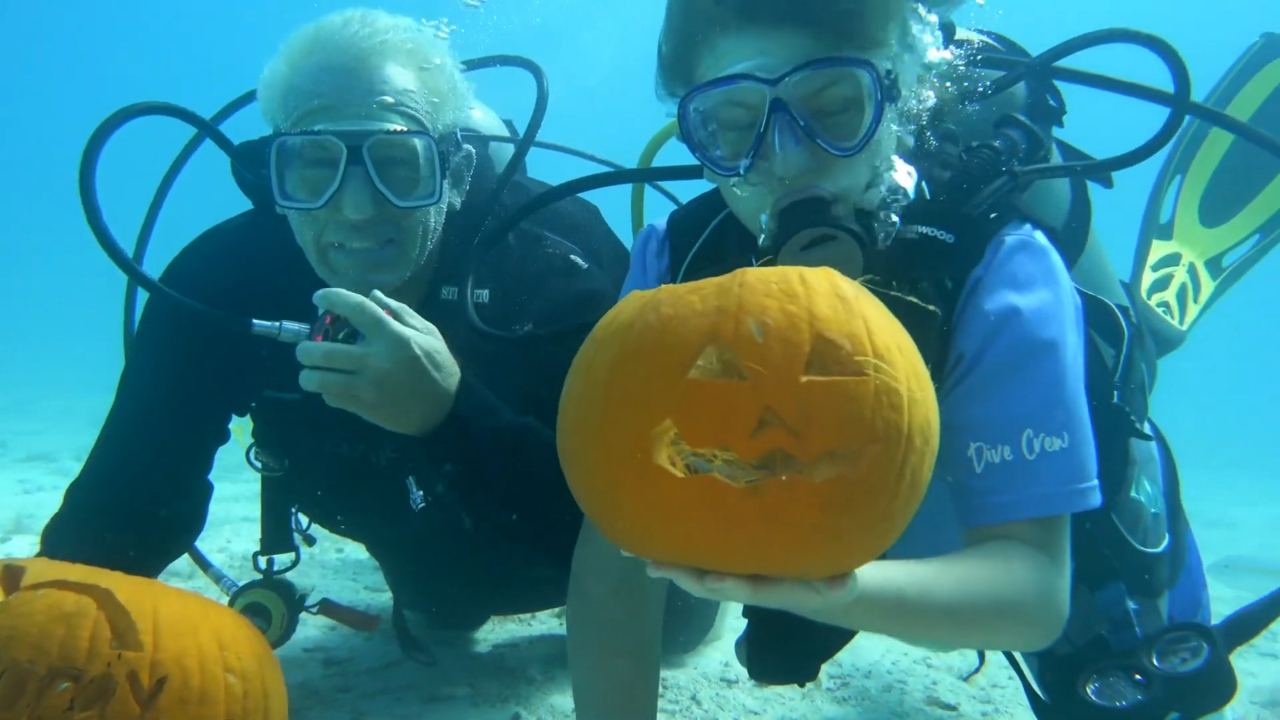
{"points": [[798, 115]]}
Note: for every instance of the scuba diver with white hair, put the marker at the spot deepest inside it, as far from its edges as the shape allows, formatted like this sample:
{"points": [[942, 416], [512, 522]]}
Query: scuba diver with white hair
{"points": [[392, 421]]}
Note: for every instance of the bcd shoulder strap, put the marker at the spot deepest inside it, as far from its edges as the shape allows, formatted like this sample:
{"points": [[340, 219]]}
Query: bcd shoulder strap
{"points": [[705, 240]]}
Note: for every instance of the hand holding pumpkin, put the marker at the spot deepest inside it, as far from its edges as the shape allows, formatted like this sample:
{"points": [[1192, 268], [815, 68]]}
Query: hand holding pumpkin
{"points": [[801, 597]]}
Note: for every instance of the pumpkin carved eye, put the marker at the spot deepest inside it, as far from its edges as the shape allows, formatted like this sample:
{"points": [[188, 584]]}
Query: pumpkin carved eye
{"points": [[719, 363], [831, 359]]}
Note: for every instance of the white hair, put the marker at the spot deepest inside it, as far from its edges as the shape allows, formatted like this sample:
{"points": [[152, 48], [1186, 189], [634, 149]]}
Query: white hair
{"points": [[341, 57], [943, 8]]}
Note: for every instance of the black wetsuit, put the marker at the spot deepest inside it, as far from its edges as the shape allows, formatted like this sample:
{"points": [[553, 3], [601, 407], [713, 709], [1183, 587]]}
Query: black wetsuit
{"points": [[493, 528]]}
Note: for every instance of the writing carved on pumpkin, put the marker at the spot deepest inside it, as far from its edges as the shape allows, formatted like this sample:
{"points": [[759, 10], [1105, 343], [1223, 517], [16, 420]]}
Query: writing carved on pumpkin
{"points": [[124, 631], [25, 687]]}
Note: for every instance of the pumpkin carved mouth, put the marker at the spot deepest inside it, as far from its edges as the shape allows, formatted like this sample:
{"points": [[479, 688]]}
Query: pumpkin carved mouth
{"points": [[673, 454], [827, 361]]}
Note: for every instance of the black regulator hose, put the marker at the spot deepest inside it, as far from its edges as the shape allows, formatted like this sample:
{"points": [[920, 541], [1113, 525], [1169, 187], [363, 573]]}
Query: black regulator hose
{"points": [[157, 204], [1023, 176], [680, 172], [492, 234], [1137, 91], [539, 115], [98, 224]]}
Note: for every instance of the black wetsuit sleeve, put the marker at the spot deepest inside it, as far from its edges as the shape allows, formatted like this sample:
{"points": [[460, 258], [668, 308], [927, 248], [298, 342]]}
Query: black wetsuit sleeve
{"points": [[142, 496], [510, 464]]}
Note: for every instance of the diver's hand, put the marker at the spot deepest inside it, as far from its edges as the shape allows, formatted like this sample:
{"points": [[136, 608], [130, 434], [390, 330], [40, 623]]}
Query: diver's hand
{"points": [[400, 375], [802, 597]]}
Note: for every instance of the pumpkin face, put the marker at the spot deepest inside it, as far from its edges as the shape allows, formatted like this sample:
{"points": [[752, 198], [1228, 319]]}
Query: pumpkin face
{"points": [[774, 421], [78, 641]]}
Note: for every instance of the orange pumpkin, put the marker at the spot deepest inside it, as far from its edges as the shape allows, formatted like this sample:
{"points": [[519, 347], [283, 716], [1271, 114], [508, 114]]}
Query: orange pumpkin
{"points": [[773, 421], [82, 642]]}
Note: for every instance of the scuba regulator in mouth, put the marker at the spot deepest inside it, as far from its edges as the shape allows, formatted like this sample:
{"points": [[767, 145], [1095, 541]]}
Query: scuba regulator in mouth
{"points": [[808, 232]]}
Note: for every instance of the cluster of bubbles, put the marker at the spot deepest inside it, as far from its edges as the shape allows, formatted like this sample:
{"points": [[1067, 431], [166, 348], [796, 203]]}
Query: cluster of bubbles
{"points": [[918, 70], [922, 74], [440, 28]]}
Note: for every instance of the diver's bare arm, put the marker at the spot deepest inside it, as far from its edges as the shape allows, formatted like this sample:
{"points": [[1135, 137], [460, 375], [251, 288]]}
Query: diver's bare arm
{"points": [[614, 618], [1008, 589]]}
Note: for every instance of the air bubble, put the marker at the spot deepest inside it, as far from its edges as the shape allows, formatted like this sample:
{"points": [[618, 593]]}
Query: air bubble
{"points": [[440, 28]]}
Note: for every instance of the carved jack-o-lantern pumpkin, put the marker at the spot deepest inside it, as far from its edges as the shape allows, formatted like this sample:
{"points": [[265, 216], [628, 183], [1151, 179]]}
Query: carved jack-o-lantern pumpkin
{"points": [[775, 421], [82, 642]]}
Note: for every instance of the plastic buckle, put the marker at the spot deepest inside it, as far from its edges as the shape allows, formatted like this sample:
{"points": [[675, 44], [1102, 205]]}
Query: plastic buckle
{"points": [[268, 569]]}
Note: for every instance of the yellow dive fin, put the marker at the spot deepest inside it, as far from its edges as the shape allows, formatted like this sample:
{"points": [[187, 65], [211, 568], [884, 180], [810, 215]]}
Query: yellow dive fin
{"points": [[1215, 209]]}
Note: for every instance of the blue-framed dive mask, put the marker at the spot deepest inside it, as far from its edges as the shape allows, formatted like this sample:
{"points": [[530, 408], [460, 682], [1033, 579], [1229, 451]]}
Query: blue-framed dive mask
{"points": [[837, 102], [407, 166]]}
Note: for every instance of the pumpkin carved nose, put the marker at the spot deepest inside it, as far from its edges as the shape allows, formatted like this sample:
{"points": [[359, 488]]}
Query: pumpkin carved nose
{"points": [[771, 419]]}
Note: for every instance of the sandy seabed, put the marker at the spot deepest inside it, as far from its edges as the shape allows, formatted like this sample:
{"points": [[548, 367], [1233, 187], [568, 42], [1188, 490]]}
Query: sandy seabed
{"points": [[516, 669]]}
